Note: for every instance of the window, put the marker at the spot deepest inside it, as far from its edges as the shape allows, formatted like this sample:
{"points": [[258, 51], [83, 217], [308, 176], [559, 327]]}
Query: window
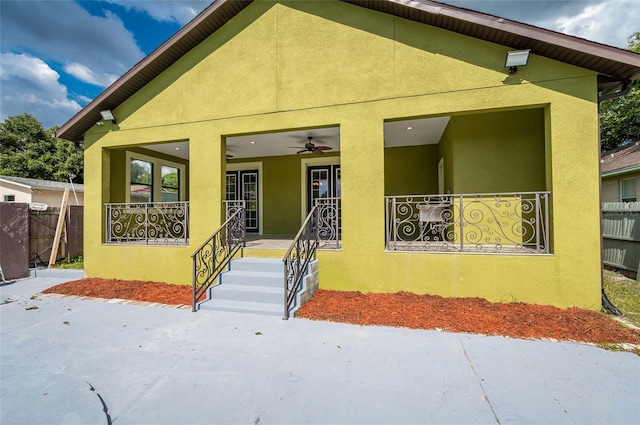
{"points": [[9, 198], [170, 184], [153, 179], [628, 190], [141, 181]]}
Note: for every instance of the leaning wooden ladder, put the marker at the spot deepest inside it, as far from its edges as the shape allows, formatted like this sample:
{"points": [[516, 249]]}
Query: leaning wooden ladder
{"points": [[59, 228]]}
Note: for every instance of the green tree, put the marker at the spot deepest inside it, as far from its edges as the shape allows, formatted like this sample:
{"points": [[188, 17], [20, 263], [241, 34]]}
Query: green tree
{"points": [[28, 150], [620, 117]]}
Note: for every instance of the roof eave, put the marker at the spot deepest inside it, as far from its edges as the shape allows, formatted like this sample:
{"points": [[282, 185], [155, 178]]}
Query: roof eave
{"points": [[619, 171]]}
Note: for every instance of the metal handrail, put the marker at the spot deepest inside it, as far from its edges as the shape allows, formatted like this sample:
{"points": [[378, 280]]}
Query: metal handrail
{"points": [[298, 256], [213, 256]]}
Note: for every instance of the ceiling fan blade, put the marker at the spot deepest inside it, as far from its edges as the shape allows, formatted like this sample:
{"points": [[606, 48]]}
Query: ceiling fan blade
{"points": [[318, 151], [324, 148], [303, 151]]}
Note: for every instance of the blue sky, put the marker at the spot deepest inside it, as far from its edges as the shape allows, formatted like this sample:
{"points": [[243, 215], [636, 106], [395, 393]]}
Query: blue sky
{"points": [[57, 55]]}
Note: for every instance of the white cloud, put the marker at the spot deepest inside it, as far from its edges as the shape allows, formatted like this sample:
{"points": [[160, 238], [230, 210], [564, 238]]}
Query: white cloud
{"points": [[609, 22], [29, 84], [64, 32], [83, 73], [166, 11], [604, 21]]}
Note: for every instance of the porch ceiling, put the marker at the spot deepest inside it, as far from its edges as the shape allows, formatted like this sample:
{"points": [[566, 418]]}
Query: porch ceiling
{"points": [[422, 131]]}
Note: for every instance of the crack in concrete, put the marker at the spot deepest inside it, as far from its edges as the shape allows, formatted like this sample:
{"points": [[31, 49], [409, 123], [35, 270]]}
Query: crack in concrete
{"points": [[105, 409], [484, 392]]}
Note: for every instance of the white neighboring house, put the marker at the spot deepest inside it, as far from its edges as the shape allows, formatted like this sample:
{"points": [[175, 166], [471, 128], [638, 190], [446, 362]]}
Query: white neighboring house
{"points": [[34, 191]]}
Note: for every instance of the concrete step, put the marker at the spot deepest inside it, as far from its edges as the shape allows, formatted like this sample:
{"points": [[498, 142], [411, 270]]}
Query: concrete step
{"points": [[250, 293], [265, 309], [252, 285], [254, 264], [252, 278]]}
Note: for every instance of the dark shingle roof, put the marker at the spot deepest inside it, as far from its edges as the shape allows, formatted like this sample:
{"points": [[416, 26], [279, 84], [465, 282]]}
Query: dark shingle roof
{"points": [[611, 63], [43, 184], [625, 158]]}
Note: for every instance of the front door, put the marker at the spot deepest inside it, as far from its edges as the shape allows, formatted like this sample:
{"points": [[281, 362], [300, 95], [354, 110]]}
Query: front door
{"points": [[243, 185], [324, 182], [324, 191]]}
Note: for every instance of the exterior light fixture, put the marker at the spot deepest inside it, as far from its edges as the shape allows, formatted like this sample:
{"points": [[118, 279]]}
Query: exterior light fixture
{"points": [[515, 59], [409, 128], [99, 123], [108, 116]]}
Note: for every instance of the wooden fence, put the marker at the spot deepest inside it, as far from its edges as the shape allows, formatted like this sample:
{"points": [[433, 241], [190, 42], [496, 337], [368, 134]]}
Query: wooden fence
{"points": [[621, 236], [42, 230], [26, 236]]}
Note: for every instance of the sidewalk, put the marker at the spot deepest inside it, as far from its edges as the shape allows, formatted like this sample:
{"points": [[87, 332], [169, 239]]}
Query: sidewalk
{"points": [[155, 365]]}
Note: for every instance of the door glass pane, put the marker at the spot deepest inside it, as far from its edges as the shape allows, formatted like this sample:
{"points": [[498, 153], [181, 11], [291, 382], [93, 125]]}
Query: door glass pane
{"points": [[338, 184], [141, 177], [319, 184], [250, 196], [170, 184], [232, 189]]}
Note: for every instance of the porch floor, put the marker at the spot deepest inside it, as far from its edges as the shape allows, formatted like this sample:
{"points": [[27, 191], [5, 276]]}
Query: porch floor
{"points": [[254, 241], [268, 241]]}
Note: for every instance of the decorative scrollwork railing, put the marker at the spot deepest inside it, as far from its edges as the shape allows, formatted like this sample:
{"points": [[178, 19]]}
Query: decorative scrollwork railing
{"points": [[232, 206], [301, 252], [510, 223], [213, 256], [154, 223], [329, 222]]}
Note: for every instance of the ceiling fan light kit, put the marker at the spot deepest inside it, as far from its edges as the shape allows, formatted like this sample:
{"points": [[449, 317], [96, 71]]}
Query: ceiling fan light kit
{"points": [[310, 147]]}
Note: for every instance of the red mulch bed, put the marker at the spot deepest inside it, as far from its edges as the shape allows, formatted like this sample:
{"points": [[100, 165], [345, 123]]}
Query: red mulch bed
{"points": [[154, 292], [472, 315], [403, 309]]}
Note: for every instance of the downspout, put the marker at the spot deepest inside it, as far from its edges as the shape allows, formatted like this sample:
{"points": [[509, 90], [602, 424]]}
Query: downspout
{"points": [[606, 304]]}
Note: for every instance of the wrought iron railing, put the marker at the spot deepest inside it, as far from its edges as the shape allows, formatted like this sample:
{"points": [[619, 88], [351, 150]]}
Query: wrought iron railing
{"points": [[213, 256], [301, 252], [232, 206], [329, 222], [510, 223], [154, 223]]}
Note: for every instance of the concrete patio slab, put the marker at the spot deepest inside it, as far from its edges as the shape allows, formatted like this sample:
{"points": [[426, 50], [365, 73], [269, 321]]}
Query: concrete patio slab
{"points": [[77, 361]]}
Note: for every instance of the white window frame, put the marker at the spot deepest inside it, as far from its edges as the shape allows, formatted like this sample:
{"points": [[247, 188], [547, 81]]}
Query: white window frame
{"points": [[157, 175], [635, 195]]}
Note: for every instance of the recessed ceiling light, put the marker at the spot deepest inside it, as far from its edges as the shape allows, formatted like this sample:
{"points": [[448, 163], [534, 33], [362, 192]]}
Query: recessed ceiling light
{"points": [[409, 128], [253, 143], [177, 149]]}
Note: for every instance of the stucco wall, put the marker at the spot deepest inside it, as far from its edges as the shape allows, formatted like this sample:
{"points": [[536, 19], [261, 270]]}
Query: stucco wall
{"points": [[266, 71]]}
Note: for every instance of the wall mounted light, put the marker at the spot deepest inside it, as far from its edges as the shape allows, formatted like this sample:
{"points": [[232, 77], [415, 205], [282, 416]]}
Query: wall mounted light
{"points": [[99, 123], [515, 59], [108, 116]]}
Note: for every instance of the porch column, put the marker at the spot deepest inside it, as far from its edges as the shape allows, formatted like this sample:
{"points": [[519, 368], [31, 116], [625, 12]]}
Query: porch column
{"points": [[97, 187], [207, 164], [362, 165]]}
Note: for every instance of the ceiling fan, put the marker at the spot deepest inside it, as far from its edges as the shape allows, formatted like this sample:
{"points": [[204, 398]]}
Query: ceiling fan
{"points": [[310, 147]]}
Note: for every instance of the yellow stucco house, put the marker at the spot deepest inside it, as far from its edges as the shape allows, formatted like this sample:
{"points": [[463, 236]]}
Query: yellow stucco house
{"points": [[391, 135]]}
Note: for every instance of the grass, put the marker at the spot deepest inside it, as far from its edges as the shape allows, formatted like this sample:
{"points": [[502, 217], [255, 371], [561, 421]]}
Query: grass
{"points": [[75, 263], [624, 293]]}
